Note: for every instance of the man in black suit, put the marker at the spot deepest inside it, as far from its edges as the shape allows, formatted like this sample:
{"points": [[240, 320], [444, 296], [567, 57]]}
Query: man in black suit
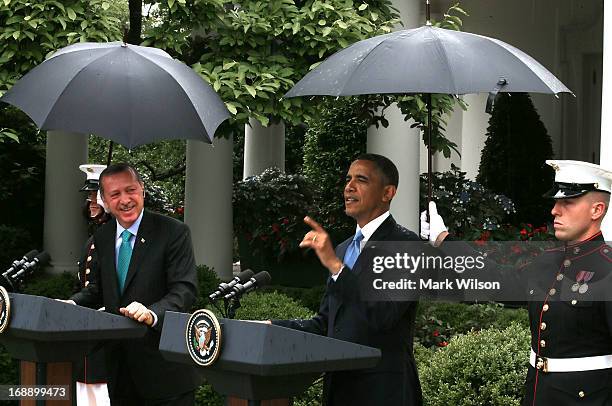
{"points": [[371, 184], [146, 267]]}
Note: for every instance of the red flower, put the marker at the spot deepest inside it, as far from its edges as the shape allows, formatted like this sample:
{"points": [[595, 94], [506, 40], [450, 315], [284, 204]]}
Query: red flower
{"points": [[442, 344], [523, 232], [285, 221], [180, 210], [275, 228], [436, 333]]}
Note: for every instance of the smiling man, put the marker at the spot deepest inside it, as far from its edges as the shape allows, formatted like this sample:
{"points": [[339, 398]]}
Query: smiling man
{"points": [[371, 184], [571, 328], [146, 267]]}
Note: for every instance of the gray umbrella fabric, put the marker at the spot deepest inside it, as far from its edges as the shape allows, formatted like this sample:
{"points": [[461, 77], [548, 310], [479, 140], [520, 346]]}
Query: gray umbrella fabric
{"points": [[427, 60], [129, 94]]}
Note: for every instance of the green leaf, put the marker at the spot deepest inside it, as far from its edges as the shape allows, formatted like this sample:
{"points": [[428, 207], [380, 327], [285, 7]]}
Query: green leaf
{"points": [[12, 20], [16, 34], [170, 3], [62, 22], [251, 90], [342, 24], [84, 24], [231, 108], [326, 31], [27, 18], [71, 13], [29, 35], [105, 5], [7, 2], [296, 27], [228, 65], [363, 7], [33, 24], [342, 42], [322, 22]]}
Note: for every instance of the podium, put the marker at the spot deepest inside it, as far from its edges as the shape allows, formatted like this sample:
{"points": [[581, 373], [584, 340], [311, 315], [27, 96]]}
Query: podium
{"points": [[261, 362], [51, 335]]}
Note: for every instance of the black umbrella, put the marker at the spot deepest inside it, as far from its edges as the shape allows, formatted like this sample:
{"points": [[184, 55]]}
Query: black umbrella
{"points": [[130, 94], [428, 60]]}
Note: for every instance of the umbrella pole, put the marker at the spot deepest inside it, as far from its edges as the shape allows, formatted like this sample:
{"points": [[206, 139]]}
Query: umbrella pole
{"points": [[429, 154], [110, 153]]}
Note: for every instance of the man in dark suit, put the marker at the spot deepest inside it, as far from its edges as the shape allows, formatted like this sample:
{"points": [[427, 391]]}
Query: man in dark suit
{"points": [[146, 267], [371, 184]]}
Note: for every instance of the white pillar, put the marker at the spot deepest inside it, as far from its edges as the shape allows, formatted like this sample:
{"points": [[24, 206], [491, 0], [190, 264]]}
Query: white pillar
{"points": [[473, 133], [264, 147], [399, 142], [605, 154], [208, 203], [65, 229]]}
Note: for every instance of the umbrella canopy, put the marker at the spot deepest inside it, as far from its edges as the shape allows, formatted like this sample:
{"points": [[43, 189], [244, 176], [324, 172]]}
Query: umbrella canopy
{"points": [[129, 94], [427, 60]]}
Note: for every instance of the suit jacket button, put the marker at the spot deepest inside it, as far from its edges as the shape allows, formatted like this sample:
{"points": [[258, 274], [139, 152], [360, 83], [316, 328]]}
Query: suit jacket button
{"points": [[581, 394]]}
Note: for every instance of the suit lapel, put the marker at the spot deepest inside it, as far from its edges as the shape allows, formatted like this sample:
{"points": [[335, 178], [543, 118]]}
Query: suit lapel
{"points": [[141, 244], [380, 234]]}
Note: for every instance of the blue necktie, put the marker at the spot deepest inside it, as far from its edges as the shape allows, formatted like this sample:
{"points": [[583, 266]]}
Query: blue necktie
{"points": [[352, 252], [123, 260]]}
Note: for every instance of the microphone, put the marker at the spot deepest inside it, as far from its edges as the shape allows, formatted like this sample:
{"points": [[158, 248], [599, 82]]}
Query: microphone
{"points": [[18, 263], [15, 267], [42, 258], [223, 288], [260, 279]]}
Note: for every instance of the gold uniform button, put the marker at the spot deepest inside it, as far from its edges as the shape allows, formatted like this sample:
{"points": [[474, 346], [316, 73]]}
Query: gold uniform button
{"points": [[567, 263], [93, 246], [543, 326], [581, 394], [545, 307], [552, 291], [560, 277], [89, 258], [86, 283], [543, 344], [87, 271], [574, 302]]}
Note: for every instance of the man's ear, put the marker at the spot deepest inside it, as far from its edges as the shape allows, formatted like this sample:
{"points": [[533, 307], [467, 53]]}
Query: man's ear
{"points": [[389, 193], [598, 210]]}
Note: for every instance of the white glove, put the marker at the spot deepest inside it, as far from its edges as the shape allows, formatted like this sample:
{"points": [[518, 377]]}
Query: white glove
{"points": [[435, 227]]}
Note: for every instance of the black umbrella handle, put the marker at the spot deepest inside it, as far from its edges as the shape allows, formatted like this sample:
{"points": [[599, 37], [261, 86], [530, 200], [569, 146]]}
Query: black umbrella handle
{"points": [[110, 153], [429, 153]]}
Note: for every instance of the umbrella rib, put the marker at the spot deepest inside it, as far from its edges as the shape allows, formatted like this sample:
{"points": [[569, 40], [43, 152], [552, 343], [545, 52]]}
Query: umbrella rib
{"points": [[185, 92], [440, 45]]}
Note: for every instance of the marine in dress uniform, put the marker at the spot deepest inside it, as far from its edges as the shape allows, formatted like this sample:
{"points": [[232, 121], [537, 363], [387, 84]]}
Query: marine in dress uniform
{"points": [[571, 328]]}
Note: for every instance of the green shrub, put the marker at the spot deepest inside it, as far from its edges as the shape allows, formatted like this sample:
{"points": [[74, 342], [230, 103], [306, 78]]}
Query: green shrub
{"points": [[512, 161], [53, 286], [208, 281], [309, 297], [15, 242], [485, 368], [268, 212], [205, 395], [335, 137], [437, 322], [468, 208], [271, 305]]}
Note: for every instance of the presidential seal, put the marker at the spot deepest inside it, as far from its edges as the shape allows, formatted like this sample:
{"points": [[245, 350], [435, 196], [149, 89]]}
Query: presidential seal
{"points": [[203, 335], [5, 309]]}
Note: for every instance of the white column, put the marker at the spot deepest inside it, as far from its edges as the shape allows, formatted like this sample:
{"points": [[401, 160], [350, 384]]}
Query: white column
{"points": [[65, 229], [473, 133], [399, 142], [264, 147], [605, 153], [208, 203]]}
